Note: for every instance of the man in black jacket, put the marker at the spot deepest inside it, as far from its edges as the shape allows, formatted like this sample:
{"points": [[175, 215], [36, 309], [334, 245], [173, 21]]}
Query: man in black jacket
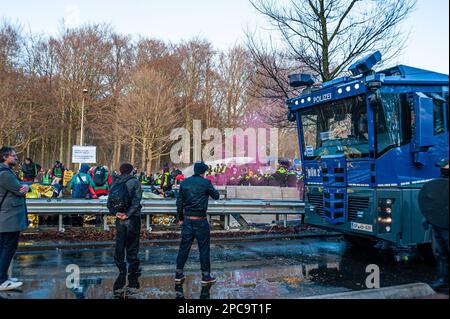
{"points": [[128, 227], [192, 205], [433, 201]]}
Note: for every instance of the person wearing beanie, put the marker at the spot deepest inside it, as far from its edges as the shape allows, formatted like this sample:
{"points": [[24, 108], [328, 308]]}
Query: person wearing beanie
{"points": [[192, 206], [82, 185], [126, 169], [124, 201]]}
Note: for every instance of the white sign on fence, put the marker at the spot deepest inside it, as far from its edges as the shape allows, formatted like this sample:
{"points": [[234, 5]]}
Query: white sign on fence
{"points": [[84, 154]]}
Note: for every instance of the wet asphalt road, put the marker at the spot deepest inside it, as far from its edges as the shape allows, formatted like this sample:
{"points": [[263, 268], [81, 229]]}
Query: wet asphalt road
{"points": [[247, 270]]}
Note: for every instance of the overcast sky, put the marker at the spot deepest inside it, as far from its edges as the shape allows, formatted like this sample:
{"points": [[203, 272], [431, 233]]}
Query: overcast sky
{"points": [[220, 21]]}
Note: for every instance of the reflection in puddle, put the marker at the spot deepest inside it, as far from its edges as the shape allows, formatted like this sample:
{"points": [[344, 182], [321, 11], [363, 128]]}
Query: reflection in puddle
{"points": [[288, 269]]}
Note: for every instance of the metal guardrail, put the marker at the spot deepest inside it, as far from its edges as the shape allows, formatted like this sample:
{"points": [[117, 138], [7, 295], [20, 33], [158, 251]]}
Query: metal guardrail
{"points": [[225, 208]]}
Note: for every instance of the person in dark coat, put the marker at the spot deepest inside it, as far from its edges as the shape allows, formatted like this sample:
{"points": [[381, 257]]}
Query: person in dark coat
{"points": [[128, 228], [13, 215], [440, 243], [30, 170], [192, 206]]}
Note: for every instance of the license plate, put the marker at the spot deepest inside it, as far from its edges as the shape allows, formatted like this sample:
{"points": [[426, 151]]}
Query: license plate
{"points": [[361, 227]]}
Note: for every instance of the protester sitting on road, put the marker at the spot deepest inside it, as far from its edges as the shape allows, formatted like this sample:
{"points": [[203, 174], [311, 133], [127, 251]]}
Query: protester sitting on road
{"points": [[192, 206], [82, 185], [151, 179], [13, 215], [179, 179], [143, 178], [166, 180], [57, 178], [102, 180], [124, 202], [58, 170], [47, 177], [30, 170]]}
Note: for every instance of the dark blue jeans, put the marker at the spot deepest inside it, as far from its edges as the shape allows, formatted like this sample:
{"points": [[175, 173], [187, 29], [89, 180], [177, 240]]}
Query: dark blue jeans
{"points": [[199, 230], [440, 244], [128, 234], [8, 247]]}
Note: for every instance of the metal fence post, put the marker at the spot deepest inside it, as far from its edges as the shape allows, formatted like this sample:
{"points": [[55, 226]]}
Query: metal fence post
{"points": [[285, 217], [227, 222], [147, 222], [105, 223], [60, 223]]}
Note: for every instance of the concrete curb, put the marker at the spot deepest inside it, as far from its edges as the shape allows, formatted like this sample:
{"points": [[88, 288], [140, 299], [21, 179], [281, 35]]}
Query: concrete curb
{"points": [[108, 244], [409, 291]]}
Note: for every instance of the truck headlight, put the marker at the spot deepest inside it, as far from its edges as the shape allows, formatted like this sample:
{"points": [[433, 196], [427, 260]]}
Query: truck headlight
{"points": [[384, 217]]}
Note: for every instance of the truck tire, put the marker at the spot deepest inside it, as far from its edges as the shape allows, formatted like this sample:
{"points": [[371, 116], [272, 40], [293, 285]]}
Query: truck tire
{"points": [[361, 242], [425, 253]]}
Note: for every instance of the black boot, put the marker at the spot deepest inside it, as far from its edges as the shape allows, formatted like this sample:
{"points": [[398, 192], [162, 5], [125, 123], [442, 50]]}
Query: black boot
{"points": [[441, 283], [120, 283], [133, 279]]}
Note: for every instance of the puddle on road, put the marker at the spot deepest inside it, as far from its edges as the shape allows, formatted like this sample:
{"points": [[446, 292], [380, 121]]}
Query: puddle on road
{"points": [[256, 270]]}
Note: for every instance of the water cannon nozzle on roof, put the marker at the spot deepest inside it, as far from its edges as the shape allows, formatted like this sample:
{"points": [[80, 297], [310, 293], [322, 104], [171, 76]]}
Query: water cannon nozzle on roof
{"points": [[299, 80], [365, 65]]}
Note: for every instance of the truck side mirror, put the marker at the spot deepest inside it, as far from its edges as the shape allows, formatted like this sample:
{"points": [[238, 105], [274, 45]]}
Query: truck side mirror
{"points": [[423, 127]]}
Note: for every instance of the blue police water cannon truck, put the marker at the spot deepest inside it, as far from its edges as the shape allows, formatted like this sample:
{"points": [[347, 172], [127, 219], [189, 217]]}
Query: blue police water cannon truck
{"points": [[368, 143]]}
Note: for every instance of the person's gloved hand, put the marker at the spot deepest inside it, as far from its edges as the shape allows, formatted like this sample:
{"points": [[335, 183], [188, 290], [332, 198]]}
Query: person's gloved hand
{"points": [[425, 224]]}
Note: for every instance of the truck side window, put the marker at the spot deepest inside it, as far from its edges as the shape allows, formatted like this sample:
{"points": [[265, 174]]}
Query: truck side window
{"points": [[438, 121], [438, 113], [388, 123], [446, 98]]}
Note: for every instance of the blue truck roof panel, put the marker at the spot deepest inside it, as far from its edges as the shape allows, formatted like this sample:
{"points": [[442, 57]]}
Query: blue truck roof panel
{"points": [[346, 86]]}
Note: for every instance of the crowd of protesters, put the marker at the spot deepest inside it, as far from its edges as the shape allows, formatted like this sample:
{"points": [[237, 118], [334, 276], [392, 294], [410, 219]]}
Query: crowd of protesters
{"points": [[232, 175], [93, 182]]}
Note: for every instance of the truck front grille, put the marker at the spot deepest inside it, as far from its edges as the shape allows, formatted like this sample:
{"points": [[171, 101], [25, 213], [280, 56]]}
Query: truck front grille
{"points": [[355, 205], [317, 201]]}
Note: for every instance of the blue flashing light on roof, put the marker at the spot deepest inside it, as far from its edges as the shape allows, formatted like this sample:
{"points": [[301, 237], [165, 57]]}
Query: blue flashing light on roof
{"points": [[365, 65]]}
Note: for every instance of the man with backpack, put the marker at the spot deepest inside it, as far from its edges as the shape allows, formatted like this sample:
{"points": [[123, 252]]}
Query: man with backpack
{"points": [[82, 185], [102, 180], [124, 201]]}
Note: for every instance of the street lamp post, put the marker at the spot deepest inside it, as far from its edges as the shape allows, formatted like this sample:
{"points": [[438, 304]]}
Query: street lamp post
{"points": [[82, 121], [82, 118]]}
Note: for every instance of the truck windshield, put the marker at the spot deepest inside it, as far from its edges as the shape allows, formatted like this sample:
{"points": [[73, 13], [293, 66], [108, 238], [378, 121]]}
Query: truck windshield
{"points": [[339, 127]]}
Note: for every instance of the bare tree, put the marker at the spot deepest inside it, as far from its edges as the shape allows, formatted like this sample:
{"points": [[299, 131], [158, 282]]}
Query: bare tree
{"points": [[147, 115], [235, 69], [328, 35]]}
